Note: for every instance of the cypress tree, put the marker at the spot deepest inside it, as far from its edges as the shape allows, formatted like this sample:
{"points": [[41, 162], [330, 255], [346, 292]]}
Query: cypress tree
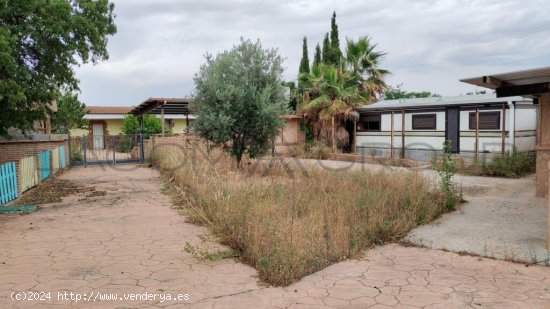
{"points": [[326, 50], [335, 52], [304, 63], [317, 56]]}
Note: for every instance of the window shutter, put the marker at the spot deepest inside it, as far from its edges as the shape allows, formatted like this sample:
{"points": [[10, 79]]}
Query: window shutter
{"points": [[487, 121], [424, 122]]}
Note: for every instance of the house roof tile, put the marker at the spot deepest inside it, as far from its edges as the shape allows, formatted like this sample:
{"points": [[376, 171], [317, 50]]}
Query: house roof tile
{"points": [[109, 109]]}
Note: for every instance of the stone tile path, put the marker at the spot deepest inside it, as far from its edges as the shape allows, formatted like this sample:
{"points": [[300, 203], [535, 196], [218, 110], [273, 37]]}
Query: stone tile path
{"points": [[130, 241]]}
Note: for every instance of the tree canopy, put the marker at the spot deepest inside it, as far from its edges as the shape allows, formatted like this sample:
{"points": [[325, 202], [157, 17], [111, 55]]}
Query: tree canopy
{"points": [[326, 50], [317, 56], [335, 54], [394, 93], [363, 60], [40, 43], [70, 114], [151, 125], [304, 63], [331, 94], [340, 83], [293, 95], [239, 99]]}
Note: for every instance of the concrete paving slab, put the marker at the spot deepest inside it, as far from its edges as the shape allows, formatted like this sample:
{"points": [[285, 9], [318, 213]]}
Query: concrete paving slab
{"points": [[129, 241]]}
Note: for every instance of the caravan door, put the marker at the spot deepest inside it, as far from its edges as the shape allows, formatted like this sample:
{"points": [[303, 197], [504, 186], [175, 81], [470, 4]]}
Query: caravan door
{"points": [[452, 128]]}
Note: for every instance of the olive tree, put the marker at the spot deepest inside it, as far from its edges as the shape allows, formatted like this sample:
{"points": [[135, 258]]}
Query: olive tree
{"points": [[40, 44], [239, 99]]}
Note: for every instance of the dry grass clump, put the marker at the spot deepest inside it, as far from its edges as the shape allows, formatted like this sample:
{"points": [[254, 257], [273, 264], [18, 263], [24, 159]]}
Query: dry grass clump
{"points": [[288, 222]]}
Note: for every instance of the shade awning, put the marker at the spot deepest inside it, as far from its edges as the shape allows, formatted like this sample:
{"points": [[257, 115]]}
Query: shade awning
{"points": [[523, 83], [156, 106]]}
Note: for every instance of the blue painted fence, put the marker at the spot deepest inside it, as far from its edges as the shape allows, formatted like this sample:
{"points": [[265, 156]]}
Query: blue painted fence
{"points": [[62, 156], [8, 182], [44, 164]]}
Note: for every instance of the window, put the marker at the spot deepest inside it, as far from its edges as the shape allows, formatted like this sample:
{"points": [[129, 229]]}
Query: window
{"points": [[487, 120], [371, 123], [424, 122]]}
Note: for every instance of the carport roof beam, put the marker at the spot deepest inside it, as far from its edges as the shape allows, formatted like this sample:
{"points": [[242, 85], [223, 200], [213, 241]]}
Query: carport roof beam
{"points": [[520, 83], [154, 106]]}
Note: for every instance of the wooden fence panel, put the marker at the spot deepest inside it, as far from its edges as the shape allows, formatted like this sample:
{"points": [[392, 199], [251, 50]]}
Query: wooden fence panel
{"points": [[8, 182], [29, 172], [44, 164], [62, 157], [55, 160]]}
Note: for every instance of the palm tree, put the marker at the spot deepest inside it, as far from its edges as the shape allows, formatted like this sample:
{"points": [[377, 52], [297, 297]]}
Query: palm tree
{"points": [[362, 59], [329, 101], [332, 92]]}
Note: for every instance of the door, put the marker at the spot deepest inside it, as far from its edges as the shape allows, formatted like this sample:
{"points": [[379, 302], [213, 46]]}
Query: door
{"points": [[97, 131], [452, 128]]}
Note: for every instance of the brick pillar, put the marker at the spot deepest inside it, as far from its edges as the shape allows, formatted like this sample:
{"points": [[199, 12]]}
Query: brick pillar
{"points": [[543, 149]]}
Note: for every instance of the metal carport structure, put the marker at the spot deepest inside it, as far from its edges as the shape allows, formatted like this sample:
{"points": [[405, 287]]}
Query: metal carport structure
{"points": [[163, 106], [533, 83]]}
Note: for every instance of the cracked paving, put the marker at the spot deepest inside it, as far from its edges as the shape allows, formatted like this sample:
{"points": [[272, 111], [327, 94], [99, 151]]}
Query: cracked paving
{"points": [[131, 241]]}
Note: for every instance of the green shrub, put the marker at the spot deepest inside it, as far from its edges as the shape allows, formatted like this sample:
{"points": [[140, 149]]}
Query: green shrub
{"points": [[76, 152], [446, 170], [512, 165], [125, 143]]}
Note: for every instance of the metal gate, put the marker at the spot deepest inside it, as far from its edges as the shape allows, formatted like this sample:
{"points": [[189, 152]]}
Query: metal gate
{"points": [[105, 149]]}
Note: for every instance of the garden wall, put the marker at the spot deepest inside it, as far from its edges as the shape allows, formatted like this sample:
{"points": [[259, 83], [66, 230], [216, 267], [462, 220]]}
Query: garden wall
{"points": [[181, 141], [20, 147], [291, 136]]}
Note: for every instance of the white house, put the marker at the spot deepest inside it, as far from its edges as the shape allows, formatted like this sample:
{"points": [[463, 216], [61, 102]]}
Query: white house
{"points": [[417, 128]]}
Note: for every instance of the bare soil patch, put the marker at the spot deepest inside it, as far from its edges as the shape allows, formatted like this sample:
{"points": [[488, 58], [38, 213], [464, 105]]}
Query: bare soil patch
{"points": [[53, 190]]}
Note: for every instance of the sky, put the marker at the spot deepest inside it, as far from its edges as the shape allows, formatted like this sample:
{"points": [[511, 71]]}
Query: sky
{"points": [[430, 44]]}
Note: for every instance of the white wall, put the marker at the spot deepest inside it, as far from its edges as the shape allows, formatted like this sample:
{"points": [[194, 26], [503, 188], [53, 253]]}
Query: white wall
{"points": [[414, 139], [526, 118], [386, 122], [490, 140], [526, 127], [465, 119]]}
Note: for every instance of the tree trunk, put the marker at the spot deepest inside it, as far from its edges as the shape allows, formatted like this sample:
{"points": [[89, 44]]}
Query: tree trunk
{"points": [[239, 161], [333, 138], [238, 150]]}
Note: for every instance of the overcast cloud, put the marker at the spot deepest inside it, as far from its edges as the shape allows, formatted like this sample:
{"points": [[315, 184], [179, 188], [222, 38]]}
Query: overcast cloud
{"points": [[431, 44]]}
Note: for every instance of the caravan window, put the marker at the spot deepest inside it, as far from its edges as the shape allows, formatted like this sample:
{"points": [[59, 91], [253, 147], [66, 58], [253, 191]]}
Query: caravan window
{"points": [[487, 120], [424, 122], [371, 123]]}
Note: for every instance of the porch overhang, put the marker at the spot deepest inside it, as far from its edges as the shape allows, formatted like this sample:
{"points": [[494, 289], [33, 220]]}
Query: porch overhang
{"points": [[527, 83], [162, 107]]}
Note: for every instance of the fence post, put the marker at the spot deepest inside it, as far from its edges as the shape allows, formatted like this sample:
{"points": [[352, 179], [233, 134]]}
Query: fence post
{"points": [[391, 135], [477, 135], [548, 218], [403, 123], [503, 130], [141, 147], [113, 145], [84, 149], [69, 147]]}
